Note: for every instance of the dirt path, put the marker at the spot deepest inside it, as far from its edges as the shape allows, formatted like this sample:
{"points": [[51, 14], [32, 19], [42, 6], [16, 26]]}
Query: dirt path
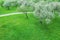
{"points": [[9, 14]]}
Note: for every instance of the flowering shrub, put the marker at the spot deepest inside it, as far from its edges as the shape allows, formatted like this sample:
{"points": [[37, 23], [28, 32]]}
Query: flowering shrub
{"points": [[45, 10]]}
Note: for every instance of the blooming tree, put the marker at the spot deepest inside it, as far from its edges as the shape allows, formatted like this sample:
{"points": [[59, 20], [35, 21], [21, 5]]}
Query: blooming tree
{"points": [[45, 10], [26, 6], [8, 3]]}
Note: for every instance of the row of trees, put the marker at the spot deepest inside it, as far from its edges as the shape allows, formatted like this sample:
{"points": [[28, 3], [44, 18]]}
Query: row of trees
{"points": [[23, 5], [43, 10]]}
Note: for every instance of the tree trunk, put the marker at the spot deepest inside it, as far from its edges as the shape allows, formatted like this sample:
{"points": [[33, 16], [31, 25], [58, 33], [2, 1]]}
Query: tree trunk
{"points": [[26, 15], [8, 8]]}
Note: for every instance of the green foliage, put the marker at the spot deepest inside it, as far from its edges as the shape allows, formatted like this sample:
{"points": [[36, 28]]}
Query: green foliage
{"points": [[5, 11]]}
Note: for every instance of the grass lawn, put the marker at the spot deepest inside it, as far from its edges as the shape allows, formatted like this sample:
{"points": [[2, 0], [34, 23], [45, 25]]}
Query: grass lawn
{"points": [[5, 11], [17, 27]]}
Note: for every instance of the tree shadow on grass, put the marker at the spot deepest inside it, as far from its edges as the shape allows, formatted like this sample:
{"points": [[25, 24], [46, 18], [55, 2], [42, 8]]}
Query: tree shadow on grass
{"points": [[44, 28]]}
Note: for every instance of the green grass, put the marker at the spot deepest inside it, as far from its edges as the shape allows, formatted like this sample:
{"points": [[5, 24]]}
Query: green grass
{"points": [[17, 27], [5, 11]]}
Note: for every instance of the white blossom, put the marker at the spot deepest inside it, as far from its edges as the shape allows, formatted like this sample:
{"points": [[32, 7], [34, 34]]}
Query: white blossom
{"points": [[45, 10]]}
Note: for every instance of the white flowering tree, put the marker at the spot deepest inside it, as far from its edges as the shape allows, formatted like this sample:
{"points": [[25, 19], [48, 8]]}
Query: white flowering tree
{"points": [[9, 3], [26, 6], [45, 10]]}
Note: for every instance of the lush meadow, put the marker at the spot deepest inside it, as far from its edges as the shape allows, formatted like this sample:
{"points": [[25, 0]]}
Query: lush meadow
{"points": [[18, 27]]}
